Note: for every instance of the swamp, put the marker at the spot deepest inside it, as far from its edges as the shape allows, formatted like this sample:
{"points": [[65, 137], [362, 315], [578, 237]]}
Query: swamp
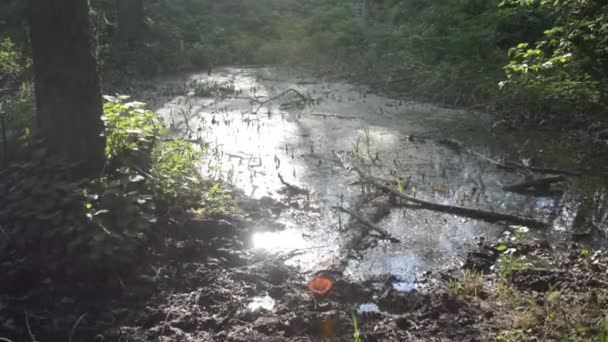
{"points": [[289, 170]]}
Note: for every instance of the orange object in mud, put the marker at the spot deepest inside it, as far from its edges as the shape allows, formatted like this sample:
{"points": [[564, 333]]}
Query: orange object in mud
{"points": [[320, 286]]}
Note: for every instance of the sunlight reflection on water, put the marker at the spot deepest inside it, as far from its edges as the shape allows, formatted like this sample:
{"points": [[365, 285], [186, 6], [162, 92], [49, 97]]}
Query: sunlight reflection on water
{"points": [[279, 241], [249, 147], [262, 302]]}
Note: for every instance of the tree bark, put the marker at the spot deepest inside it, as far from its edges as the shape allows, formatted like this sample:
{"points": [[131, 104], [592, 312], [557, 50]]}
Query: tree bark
{"points": [[67, 86], [130, 21]]}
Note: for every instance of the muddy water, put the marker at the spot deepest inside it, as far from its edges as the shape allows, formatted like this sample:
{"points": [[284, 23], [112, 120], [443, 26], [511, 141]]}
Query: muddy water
{"points": [[312, 147]]}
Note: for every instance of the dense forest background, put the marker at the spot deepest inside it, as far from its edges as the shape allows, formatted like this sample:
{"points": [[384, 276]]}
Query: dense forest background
{"points": [[512, 56]]}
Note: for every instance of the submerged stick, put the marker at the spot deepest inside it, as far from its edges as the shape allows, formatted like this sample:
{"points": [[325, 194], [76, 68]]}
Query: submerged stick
{"points": [[458, 146], [76, 326], [293, 188], [334, 116], [262, 103], [539, 184], [383, 233], [489, 216]]}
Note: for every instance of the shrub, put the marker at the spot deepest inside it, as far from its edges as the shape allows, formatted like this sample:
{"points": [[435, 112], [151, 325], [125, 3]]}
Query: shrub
{"points": [[109, 220]]}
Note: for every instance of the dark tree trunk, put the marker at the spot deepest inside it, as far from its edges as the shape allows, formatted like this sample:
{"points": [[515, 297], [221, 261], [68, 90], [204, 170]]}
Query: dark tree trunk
{"points": [[130, 21], [68, 93]]}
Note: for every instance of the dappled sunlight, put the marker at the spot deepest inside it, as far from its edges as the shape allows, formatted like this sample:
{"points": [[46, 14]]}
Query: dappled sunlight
{"points": [[280, 241], [318, 170], [249, 142]]}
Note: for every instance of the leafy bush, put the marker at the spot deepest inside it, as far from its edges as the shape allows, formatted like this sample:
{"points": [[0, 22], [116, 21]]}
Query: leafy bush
{"points": [[10, 59], [148, 180], [16, 92], [568, 64], [131, 132]]}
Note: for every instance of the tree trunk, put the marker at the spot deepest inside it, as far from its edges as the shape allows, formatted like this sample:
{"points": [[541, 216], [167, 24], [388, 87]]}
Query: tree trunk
{"points": [[68, 92], [130, 21]]}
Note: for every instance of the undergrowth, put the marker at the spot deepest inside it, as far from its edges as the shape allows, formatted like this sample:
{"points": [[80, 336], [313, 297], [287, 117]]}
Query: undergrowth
{"points": [[52, 223], [557, 314]]}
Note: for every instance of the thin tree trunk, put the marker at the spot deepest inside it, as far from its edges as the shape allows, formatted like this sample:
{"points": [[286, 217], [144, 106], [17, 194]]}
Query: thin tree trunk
{"points": [[68, 92]]}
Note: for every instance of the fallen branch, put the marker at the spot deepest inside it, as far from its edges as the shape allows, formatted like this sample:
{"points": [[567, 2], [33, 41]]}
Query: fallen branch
{"points": [[554, 171], [334, 116], [262, 103], [540, 184], [29, 329], [73, 331], [458, 146], [489, 216], [383, 233], [292, 188]]}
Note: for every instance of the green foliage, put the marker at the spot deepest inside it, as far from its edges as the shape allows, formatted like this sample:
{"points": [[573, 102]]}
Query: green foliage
{"points": [[450, 52], [130, 129], [10, 59], [509, 264], [603, 334], [471, 284], [175, 172], [19, 111], [149, 179], [444, 51], [357, 332], [216, 201], [17, 105], [567, 66]]}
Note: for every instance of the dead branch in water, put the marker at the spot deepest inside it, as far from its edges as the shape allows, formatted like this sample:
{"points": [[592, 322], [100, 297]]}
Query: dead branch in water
{"points": [[383, 233], [485, 215], [302, 98], [458, 146], [292, 188], [334, 116], [540, 184]]}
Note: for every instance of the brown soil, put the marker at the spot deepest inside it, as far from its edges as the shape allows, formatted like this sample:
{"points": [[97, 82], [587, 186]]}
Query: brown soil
{"points": [[197, 286]]}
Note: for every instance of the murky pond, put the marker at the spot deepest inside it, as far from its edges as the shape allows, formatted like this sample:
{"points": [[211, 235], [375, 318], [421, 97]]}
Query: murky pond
{"points": [[250, 142]]}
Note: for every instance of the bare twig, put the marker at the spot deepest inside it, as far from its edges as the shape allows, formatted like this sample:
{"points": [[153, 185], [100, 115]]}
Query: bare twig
{"points": [[383, 233], [539, 184], [262, 103], [333, 116], [458, 146], [73, 331], [292, 188], [29, 329]]}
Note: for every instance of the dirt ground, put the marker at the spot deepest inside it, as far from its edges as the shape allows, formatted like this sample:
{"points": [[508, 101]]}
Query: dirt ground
{"points": [[199, 284]]}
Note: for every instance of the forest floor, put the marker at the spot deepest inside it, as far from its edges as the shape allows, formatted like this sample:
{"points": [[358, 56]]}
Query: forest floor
{"points": [[205, 284]]}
